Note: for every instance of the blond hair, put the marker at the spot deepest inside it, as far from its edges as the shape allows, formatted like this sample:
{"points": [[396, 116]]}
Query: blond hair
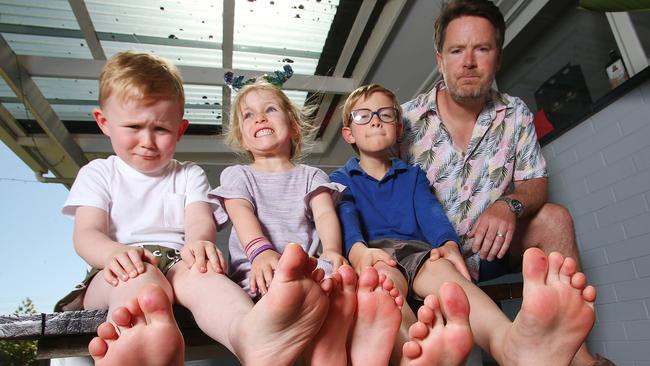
{"points": [[299, 119], [137, 76], [365, 92]]}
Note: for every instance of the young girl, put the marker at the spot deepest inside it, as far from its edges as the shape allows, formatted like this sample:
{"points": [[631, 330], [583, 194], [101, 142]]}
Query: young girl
{"points": [[274, 201]]}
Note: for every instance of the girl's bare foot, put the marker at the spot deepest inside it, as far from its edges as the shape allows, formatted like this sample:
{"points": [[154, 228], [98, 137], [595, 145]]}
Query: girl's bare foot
{"points": [[280, 326]]}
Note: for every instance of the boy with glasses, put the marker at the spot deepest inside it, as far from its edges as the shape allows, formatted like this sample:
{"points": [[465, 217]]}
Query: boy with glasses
{"points": [[388, 209], [389, 217]]}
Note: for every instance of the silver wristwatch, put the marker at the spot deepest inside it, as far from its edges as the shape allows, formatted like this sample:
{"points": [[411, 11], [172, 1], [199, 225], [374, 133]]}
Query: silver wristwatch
{"points": [[515, 205]]}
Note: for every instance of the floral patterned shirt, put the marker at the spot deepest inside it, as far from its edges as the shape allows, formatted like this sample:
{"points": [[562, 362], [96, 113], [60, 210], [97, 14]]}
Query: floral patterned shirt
{"points": [[503, 148]]}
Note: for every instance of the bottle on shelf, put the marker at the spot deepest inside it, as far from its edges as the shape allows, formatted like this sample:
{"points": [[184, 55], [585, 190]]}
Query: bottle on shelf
{"points": [[616, 72]]}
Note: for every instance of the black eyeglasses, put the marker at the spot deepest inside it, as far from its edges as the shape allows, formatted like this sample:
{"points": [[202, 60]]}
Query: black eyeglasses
{"points": [[364, 115]]}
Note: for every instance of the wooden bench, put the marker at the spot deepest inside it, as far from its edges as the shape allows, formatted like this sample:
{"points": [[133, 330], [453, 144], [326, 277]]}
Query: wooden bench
{"points": [[67, 334]]}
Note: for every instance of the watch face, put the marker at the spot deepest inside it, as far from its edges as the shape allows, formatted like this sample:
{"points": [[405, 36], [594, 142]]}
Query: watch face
{"points": [[517, 206]]}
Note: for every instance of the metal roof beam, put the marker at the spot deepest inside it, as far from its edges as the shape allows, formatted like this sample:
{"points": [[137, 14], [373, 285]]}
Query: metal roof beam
{"points": [[59, 67], [87, 28], [22, 84], [228, 31], [10, 133]]}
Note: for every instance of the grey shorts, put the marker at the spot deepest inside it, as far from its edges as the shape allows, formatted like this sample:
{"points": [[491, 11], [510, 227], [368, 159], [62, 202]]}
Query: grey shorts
{"points": [[167, 257], [410, 255]]}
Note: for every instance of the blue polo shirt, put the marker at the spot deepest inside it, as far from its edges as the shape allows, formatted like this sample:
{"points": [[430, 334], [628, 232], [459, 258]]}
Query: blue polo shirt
{"points": [[399, 206]]}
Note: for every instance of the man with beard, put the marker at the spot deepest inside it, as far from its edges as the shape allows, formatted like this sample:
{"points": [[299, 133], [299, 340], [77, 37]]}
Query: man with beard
{"points": [[480, 151]]}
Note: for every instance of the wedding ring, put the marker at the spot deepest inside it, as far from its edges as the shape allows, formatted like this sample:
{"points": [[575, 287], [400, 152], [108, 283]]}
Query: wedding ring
{"points": [[500, 235]]}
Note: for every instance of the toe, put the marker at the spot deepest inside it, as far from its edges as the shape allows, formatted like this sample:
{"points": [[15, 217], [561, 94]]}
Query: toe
{"points": [[454, 303], [411, 350], [535, 266], [293, 264], [369, 279], [426, 314], [155, 304], [418, 330], [568, 269], [122, 317], [555, 262], [348, 277], [97, 348]]}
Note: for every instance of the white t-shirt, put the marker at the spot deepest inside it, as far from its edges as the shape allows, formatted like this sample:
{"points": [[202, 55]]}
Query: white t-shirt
{"points": [[142, 209]]}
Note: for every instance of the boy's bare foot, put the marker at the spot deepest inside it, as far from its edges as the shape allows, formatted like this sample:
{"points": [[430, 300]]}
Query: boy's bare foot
{"points": [[329, 347], [148, 333], [556, 315], [442, 336], [279, 327], [378, 319]]}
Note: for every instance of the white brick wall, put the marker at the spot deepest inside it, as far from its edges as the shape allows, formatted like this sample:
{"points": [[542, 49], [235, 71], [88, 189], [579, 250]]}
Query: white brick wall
{"points": [[600, 170]]}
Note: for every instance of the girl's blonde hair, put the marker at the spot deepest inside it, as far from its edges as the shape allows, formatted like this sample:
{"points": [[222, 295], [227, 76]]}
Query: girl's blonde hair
{"points": [[137, 76], [299, 118]]}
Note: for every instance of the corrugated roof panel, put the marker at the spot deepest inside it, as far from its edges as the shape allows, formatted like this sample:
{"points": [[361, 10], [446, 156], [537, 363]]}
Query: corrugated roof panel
{"points": [[41, 13], [202, 94], [189, 20], [268, 63], [204, 116], [294, 24], [18, 110], [267, 32], [210, 100], [178, 55], [23, 44], [75, 89], [74, 112]]}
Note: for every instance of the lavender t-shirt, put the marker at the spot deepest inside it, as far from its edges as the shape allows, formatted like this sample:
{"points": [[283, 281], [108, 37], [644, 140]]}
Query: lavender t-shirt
{"points": [[281, 202]]}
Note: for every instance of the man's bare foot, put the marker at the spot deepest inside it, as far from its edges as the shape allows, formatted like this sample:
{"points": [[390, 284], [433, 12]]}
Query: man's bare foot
{"points": [[378, 319], [148, 333], [442, 336], [329, 347], [280, 326], [556, 315]]}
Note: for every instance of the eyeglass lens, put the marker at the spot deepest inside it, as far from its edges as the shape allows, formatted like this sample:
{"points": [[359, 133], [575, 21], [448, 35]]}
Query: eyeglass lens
{"points": [[363, 116]]}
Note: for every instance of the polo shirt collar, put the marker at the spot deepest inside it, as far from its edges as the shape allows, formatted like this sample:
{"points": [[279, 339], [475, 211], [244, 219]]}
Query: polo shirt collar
{"points": [[397, 165]]}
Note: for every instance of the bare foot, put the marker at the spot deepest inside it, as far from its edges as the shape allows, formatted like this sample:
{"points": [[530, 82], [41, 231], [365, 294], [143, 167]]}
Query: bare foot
{"points": [[442, 336], [329, 345], [378, 319], [280, 326], [556, 315], [148, 333]]}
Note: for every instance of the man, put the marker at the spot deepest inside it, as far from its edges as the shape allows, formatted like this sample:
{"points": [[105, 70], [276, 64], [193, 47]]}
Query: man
{"points": [[480, 151]]}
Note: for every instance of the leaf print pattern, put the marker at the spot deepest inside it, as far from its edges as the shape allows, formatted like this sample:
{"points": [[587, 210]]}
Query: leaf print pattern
{"points": [[420, 128], [446, 168], [426, 159], [497, 176]]}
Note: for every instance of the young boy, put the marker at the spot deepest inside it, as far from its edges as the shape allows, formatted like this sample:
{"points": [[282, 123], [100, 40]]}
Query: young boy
{"points": [[139, 213], [391, 221]]}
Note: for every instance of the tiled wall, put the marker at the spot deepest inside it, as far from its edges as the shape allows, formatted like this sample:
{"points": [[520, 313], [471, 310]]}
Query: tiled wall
{"points": [[600, 170]]}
